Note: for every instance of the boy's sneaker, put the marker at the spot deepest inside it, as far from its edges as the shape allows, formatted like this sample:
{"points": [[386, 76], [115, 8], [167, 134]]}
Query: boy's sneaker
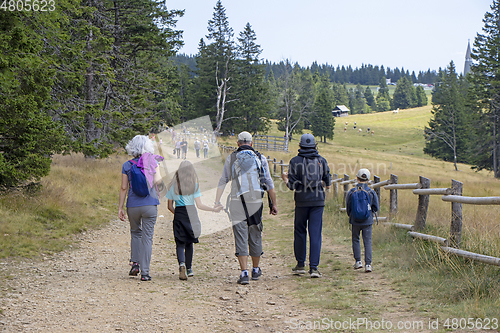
{"points": [[358, 265], [314, 273], [256, 273], [244, 279], [368, 268], [134, 270], [182, 272], [297, 270], [190, 272]]}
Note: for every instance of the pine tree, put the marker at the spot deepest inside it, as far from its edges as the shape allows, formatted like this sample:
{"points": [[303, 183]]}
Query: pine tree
{"points": [[485, 78], [447, 134], [322, 120], [253, 104], [108, 85], [28, 135], [383, 98], [340, 95], [216, 65], [421, 96], [404, 96], [370, 100]]}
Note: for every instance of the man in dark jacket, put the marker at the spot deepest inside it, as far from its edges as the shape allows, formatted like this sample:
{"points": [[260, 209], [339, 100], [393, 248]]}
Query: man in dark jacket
{"points": [[364, 226], [307, 175]]}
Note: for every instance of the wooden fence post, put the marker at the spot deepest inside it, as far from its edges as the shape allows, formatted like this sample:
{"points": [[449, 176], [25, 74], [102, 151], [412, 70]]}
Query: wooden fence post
{"points": [[346, 189], [335, 185], [282, 166], [376, 179], [423, 205], [393, 201], [274, 168], [456, 216]]}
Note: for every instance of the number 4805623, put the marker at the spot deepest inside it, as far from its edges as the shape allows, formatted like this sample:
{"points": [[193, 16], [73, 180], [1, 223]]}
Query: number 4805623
{"points": [[28, 5]]}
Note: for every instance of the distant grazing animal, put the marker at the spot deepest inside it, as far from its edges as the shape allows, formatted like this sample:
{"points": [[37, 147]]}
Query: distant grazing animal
{"points": [[395, 111]]}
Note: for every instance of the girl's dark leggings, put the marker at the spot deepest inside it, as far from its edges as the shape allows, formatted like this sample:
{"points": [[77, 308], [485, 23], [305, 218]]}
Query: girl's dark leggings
{"points": [[184, 253]]}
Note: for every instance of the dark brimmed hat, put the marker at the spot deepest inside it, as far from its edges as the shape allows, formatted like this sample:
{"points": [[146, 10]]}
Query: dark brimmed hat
{"points": [[307, 141]]}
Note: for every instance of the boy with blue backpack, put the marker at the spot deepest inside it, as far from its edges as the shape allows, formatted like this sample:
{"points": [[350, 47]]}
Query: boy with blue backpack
{"points": [[361, 204]]}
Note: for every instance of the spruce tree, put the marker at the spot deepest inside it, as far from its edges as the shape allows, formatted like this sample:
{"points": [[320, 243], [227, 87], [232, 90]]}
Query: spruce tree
{"points": [[421, 96], [253, 103], [216, 65], [447, 133], [370, 100], [404, 96], [322, 120], [28, 135], [485, 78], [383, 98]]}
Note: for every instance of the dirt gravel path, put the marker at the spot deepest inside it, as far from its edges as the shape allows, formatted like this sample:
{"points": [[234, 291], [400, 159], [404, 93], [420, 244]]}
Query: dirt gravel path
{"points": [[87, 288]]}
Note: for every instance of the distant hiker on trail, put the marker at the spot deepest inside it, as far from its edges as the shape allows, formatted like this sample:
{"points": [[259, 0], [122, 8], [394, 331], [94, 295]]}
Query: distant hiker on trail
{"points": [[178, 148], [249, 174], [197, 146], [361, 202], [308, 172], [139, 177], [205, 147], [184, 148], [184, 190]]}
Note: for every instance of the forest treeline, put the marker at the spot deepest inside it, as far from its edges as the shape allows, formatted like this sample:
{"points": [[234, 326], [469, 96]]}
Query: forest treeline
{"points": [[87, 75], [366, 75]]}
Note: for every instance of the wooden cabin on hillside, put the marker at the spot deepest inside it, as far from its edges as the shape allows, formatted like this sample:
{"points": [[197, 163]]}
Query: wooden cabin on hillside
{"points": [[340, 111]]}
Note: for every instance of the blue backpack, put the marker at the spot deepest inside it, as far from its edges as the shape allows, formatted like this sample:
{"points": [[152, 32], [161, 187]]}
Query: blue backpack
{"points": [[361, 208], [138, 180]]}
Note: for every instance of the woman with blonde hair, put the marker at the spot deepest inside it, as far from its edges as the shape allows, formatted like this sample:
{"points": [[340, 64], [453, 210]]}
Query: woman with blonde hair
{"points": [[184, 190], [141, 209]]}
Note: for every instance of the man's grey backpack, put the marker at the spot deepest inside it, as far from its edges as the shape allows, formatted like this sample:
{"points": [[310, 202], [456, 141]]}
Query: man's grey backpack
{"points": [[248, 173]]}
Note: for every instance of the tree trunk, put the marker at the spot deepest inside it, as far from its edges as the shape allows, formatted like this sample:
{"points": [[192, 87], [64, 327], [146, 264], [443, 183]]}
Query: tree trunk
{"points": [[495, 162]]}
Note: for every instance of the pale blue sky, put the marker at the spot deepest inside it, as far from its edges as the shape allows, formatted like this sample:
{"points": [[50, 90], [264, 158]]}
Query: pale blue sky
{"points": [[416, 35]]}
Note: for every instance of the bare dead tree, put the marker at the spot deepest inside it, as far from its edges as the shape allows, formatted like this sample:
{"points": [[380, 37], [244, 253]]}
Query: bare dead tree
{"points": [[222, 94]]}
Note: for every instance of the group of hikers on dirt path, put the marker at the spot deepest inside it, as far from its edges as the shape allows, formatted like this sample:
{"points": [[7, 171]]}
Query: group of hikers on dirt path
{"points": [[248, 172]]}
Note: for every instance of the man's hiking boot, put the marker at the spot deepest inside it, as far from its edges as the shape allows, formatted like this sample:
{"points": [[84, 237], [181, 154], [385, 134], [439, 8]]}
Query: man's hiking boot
{"points": [[244, 279], [358, 265], [299, 270], [134, 270], [368, 268], [256, 274]]}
